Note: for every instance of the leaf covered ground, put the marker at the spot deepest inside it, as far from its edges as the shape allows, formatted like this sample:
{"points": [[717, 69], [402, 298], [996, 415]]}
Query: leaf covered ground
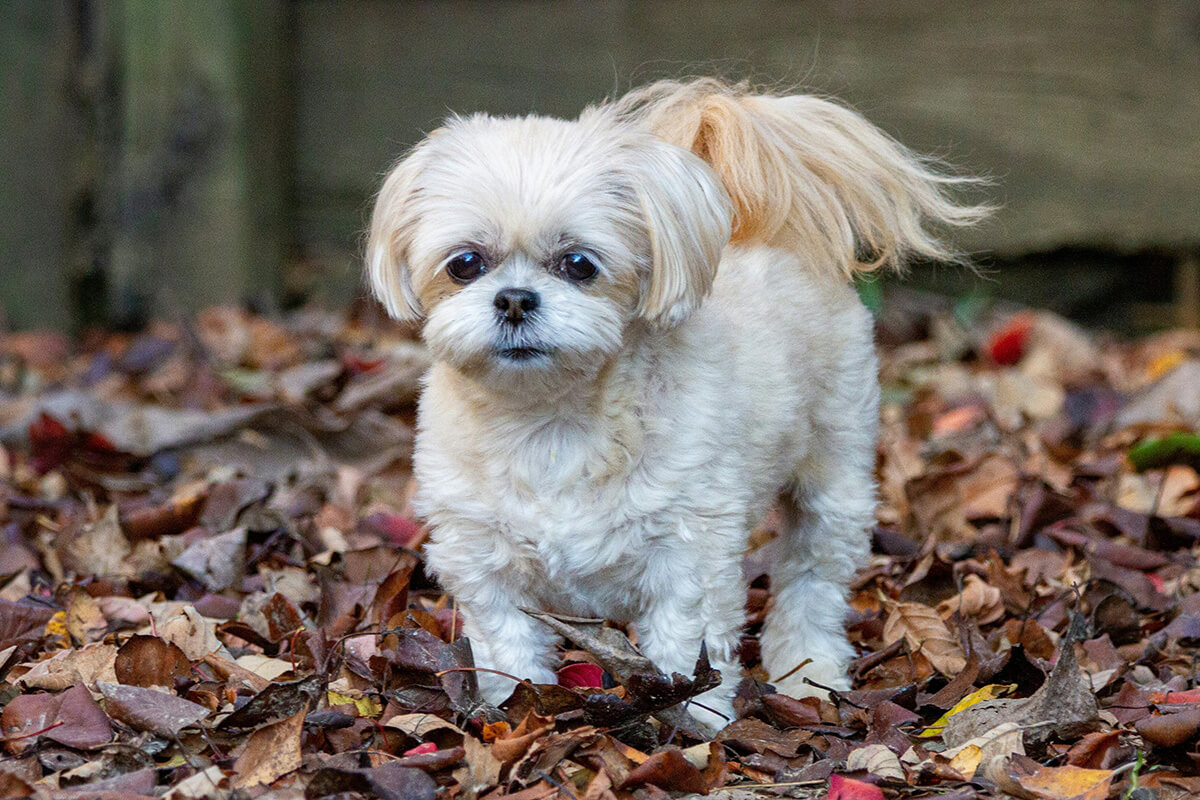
{"points": [[211, 583]]}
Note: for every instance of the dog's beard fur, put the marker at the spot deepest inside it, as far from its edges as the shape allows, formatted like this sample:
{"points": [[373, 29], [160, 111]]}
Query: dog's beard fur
{"points": [[569, 337], [609, 454]]}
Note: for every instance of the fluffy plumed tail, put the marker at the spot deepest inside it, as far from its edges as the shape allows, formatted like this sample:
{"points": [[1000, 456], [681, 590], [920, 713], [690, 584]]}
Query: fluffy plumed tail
{"points": [[807, 174]]}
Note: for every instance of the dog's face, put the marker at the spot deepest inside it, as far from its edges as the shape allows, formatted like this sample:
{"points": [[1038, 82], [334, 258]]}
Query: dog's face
{"points": [[531, 245]]}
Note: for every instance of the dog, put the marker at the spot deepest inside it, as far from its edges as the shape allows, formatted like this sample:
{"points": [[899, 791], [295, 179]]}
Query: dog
{"points": [[644, 336]]}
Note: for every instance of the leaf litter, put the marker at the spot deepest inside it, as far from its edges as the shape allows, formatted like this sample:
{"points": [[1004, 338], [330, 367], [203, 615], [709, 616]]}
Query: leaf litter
{"points": [[211, 584]]}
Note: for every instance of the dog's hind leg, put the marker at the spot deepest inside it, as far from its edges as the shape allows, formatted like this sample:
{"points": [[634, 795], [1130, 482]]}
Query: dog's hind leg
{"points": [[827, 512]]}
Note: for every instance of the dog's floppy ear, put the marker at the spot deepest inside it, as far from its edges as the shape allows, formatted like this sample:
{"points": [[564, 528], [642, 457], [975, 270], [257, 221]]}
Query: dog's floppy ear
{"points": [[688, 218], [389, 239]]}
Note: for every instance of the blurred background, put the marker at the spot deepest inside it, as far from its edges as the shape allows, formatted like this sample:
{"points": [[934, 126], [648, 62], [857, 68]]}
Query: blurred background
{"points": [[159, 156]]}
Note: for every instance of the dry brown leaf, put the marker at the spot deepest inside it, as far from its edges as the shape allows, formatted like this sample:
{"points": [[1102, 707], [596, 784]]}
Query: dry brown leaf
{"points": [[1003, 741], [876, 759], [100, 548], [987, 491], [923, 630], [482, 770], [66, 668], [1051, 783], [271, 752], [1065, 706], [419, 726], [1170, 730], [667, 769], [192, 633], [150, 661], [978, 600]]}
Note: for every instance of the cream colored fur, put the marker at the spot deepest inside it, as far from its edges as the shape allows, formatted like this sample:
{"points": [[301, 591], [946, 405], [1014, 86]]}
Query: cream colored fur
{"points": [[718, 363]]}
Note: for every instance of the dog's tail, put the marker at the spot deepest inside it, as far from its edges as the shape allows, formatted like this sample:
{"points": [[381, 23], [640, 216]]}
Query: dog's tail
{"points": [[809, 175]]}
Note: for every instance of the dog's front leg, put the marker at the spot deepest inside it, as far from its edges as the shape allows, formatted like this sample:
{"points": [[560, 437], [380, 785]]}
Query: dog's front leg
{"points": [[490, 583], [505, 639], [695, 598]]}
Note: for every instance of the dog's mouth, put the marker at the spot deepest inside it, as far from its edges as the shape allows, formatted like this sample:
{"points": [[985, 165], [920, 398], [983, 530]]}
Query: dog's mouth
{"points": [[522, 353]]}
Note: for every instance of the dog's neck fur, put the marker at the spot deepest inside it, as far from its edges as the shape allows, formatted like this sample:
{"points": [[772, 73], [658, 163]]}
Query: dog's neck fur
{"points": [[599, 414]]}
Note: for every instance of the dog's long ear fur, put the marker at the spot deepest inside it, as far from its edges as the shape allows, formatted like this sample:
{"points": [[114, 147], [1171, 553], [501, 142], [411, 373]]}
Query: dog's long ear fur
{"points": [[392, 223], [807, 174], [688, 221]]}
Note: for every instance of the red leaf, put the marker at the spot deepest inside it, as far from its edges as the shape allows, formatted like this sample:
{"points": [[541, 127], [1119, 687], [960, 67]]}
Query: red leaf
{"points": [[49, 441], [1190, 696], [395, 529], [841, 788], [98, 443], [423, 747], [585, 676], [1007, 345]]}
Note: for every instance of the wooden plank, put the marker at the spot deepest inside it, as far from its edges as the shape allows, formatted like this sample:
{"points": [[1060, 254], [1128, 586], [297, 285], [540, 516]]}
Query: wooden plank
{"points": [[202, 184], [1085, 112], [34, 189]]}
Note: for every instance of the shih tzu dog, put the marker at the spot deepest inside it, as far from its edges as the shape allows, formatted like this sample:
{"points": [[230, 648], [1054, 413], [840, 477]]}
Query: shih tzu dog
{"points": [[644, 335]]}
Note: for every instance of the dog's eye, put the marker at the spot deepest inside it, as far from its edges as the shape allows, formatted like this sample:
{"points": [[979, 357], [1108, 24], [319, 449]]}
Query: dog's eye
{"points": [[465, 267], [576, 267]]}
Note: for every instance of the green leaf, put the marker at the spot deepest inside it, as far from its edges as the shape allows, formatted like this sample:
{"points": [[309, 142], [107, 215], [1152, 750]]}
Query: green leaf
{"points": [[1177, 448]]}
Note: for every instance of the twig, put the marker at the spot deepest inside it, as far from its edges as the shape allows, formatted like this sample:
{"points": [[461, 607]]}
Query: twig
{"points": [[477, 669], [562, 787], [792, 671], [732, 786], [20, 736]]}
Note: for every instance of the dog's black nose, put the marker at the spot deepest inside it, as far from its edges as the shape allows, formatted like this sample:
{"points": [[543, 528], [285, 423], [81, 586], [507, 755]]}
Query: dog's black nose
{"points": [[514, 304]]}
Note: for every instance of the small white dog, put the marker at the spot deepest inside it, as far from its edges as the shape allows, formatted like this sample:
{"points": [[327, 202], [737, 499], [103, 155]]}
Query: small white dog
{"points": [[643, 335]]}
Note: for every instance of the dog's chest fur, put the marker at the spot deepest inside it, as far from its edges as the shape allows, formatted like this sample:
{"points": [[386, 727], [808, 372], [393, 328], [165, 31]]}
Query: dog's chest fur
{"points": [[585, 511]]}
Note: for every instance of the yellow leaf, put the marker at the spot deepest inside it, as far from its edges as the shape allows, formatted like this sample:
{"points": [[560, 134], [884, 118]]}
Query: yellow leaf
{"points": [[366, 706], [1164, 363], [1067, 783], [967, 760], [989, 692], [57, 626]]}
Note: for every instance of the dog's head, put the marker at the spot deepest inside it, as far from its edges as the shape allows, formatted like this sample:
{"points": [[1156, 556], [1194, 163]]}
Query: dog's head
{"points": [[532, 245]]}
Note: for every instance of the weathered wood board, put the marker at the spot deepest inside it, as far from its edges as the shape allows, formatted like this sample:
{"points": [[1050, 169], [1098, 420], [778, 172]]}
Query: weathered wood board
{"points": [[252, 133], [1086, 113]]}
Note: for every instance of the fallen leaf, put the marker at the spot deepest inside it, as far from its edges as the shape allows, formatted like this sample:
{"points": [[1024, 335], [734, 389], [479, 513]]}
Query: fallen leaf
{"points": [[842, 788], [1170, 730], [150, 709], [877, 760], [387, 781], [86, 665], [192, 633], [1065, 706], [217, 561], [482, 770], [100, 548], [207, 783], [667, 769], [1057, 783], [1002, 741], [149, 661], [575, 676], [989, 692], [277, 701], [924, 631], [72, 718], [271, 752]]}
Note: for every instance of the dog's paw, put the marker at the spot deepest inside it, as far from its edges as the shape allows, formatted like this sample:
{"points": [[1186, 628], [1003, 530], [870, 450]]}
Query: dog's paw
{"points": [[714, 708]]}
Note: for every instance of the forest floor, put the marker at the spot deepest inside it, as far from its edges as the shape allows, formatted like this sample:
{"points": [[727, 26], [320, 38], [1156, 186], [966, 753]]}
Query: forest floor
{"points": [[211, 583]]}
